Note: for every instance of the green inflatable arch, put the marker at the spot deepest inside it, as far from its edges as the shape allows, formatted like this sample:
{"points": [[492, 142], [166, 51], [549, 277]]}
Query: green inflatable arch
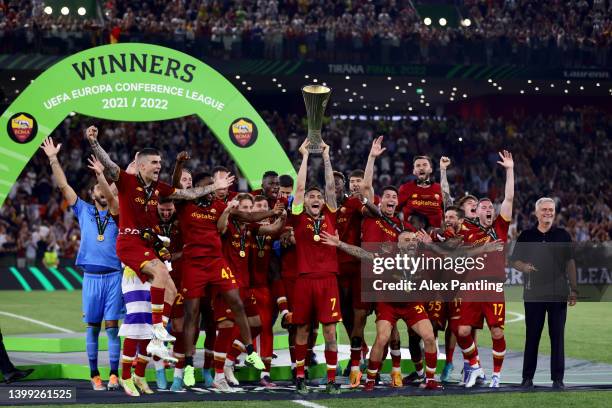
{"points": [[134, 82]]}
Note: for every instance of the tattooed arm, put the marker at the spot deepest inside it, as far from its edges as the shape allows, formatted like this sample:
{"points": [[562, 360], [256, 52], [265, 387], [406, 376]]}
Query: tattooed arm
{"points": [[224, 218], [330, 185], [334, 240], [370, 210], [221, 182], [111, 198], [111, 168], [257, 216], [181, 158], [447, 199], [356, 251], [275, 227]]}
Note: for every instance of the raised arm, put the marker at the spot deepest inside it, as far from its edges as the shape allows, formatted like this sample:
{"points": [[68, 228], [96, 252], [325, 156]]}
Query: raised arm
{"points": [[181, 158], [446, 197], [221, 182], [508, 163], [334, 240], [257, 216], [300, 189], [224, 218], [253, 216], [98, 168], [275, 227], [58, 173], [370, 209], [368, 176], [330, 185], [111, 168], [232, 210]]}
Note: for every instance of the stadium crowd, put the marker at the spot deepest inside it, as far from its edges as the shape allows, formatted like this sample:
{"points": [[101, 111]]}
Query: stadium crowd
{"points": [[564, 156], [547, 33]]}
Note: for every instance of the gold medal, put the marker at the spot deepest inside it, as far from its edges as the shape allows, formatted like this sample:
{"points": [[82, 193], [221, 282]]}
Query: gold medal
{"points": [[242, 254], [101, 224], [317, 237], [260, 254]]}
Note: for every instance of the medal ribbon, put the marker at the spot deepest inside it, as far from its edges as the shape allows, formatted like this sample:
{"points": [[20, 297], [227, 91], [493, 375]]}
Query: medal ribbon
{"points": [[491, 232], [316, 225], [101, 224], [147, 190], [261, 242], [391, 223], [166, 229], [242, 232]]}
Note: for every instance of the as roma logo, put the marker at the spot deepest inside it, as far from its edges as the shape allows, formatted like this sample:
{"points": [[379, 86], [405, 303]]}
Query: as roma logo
{"points": [[22, 127], [243, 132]]}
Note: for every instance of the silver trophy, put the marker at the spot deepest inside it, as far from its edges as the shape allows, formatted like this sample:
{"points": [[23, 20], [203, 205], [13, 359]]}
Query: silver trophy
{"points": [[315, 99]]}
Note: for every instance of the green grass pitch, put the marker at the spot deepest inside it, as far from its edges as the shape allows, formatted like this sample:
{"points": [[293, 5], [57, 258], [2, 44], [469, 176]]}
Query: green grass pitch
{"points": [[587, 337], [506, 400]]}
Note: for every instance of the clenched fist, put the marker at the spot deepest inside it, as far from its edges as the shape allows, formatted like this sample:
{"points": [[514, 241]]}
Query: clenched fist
{"points": [[444, 162], [92, 133]]}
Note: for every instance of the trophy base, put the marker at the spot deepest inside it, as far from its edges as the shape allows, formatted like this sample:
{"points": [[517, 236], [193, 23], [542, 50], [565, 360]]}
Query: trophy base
{"points": [[315, 150]]}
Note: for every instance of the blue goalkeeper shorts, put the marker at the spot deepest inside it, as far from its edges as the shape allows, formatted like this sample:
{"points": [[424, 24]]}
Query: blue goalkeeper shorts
{"points": [[102, 298]]}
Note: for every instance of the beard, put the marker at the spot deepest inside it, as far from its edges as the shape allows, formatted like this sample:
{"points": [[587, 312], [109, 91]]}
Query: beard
{"points": [[314, 212], [408, 251], [423, 179], [102, 202]]}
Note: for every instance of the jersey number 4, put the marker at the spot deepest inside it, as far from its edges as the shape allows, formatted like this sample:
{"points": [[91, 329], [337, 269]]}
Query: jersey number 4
{"points": [[225, 275]]}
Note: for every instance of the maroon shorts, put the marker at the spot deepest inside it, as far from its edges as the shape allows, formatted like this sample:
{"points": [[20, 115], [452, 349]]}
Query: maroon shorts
{"points": [[411, 312], [474, 313], [438, 313], [133, 252], [198, 273], [223, 312], [316, 298]]}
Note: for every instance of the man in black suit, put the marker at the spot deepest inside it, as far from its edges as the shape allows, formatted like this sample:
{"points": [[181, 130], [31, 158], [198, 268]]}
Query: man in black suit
{"points": [[544, 254], [9, 372]]}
